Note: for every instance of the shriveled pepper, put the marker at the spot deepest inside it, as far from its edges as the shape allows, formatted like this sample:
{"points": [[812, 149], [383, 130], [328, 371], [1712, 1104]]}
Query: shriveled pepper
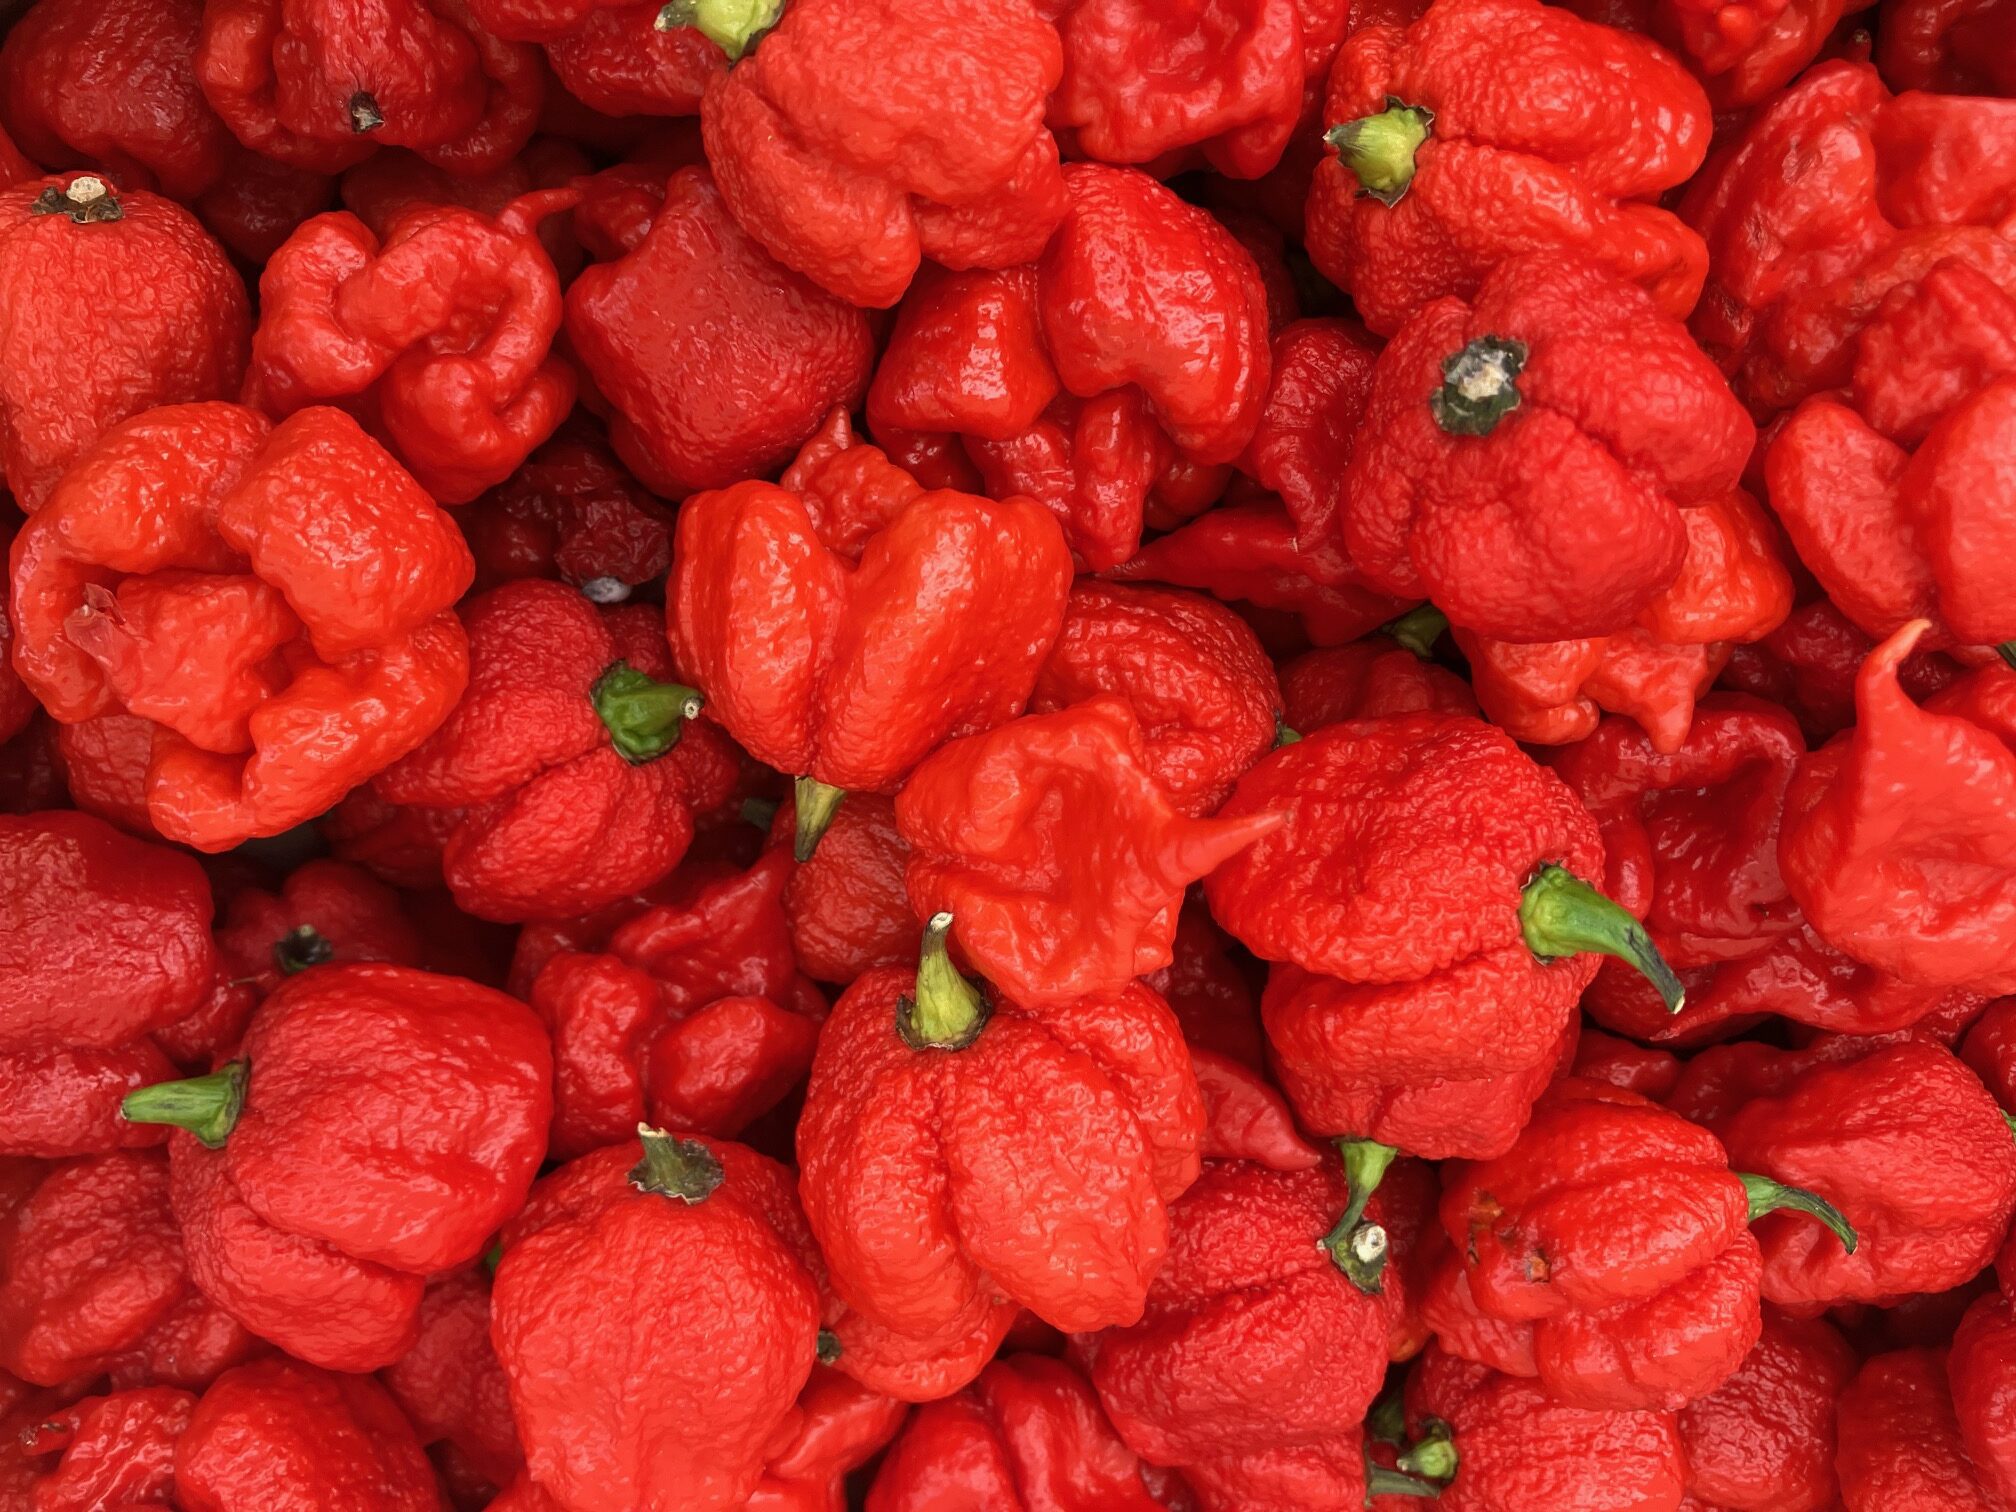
{"points": [[1128, 359], [153, 314], [1320, 380], [573, 513], [1963, 47], [377, 1127], [1900, 1443], [846, 904], [282, 618], [1743, 51], [1482, 105], [1364, 680], [861, 136], [1067, 878], [450, 1385], [1557, 381], [439, 332], [956, 1146], [1763, 1441]]}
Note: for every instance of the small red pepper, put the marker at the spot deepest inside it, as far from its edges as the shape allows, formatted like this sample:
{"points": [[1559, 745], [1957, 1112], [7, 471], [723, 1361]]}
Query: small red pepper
{"points": [[846, 904], [1636, 1068], [1962, 47], [571, 513], [1743, 51], [1900, 1443], [450, 1385], [1321, 380], [118, 1451], [1763, 1441], [617, 57], [1809, 665], [1368, 679], [1981, 1370], [841, 1426]]}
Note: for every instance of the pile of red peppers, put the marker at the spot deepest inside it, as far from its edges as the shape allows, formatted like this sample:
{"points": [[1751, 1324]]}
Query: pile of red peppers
{"points": [[1008, 755]]}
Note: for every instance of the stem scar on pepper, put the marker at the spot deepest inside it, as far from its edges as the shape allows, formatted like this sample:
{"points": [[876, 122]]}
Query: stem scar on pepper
{"points": [[817, 802], [644, 718], [364, 112], [1561, 915], [1357, 1246], [1477, 388], [945, 1011], [207, 1106], [1433, 1456], [605, 590], [301, 948], [1379, 150], [672, 1167], [734, 26], [1768, 1196], [87, 200], [829, 1348]]}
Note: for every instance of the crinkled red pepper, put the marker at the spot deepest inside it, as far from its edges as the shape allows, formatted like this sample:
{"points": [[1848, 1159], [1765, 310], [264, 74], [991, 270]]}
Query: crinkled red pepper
{"points": [[1981, 1371], [151, 313], [1763, 1441], [574, 514], [1900, 1443], [440, 333], [118, 1451], [450, 1385], [1963, 47], [1743, 51], [1367, 679], [1320, 381], [619, 57], [387, 184], [282, 619], [957, 1146], [1809, 665], [1526, 455], [846, 904], [1128, 359]]}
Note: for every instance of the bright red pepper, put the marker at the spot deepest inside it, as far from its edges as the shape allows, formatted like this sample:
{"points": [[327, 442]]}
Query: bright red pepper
{"points": [[618, 57], [382, 188], [450, 1385], [1367, 679], [1743, 51], [1605, 1058], [1965, 47], [1763, 1441], [325, 912], [1320, 381], [1809, 665], [1981, 1370], [377, 1127], [841, 1426], [284, 623], [1989, 1049], [1066, 878], [1901, 1449], [1482, 105], [715, 362], [1455, 492], [846, 904], [154, 312], [574, 514], [1128, 359], [439, 332], [118, 1451], [861, 136], [948, 1138]]}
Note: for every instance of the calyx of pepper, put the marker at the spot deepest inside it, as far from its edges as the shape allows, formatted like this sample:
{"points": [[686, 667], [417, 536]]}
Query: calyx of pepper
{"points": [[301, 948], [364, 112], [207, 1106], [1561, 915], [1379, 1481], [674, 1167], [1433, 1456], [945, 1011], [1477, 388], [1283, 735], [1419, 629], [1356, 1245], [816, 803], [87, 200], [644, 718], [1379, 150], [732, 25], [828, 1349], [1768, 1196], [2007, 651]]}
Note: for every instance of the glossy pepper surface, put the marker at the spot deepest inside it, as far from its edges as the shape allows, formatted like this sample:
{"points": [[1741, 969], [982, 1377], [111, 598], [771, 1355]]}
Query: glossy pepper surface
{"points": [[1960, 47], [1320, 378], [846, 903], [1981, 1371], [1900, 1444], [154, 311], [1068, 879], [1482, 105], [1367, 679], [281, 617], [377, 1127], [450, 1385], [1527, 454], [116, 1450], [1764, 1440], [439, 332], [954, 1148], [1742, 50]]}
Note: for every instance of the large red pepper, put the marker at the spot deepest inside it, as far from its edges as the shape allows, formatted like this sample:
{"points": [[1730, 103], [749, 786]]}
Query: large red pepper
{"points": [[893, 618], [1609, 1254], [1066, 878], [282, 615], [1425, 906], [715, 362], [1965, 47], [1901, 1449], [1485, 105], [1981, 1370], [323, 86], [574, 514], [117, 1451], [1763, 1441], [156, 316], [956, 1146], [450, 1384], [1835, 194], [438, 332], [1899, 842], [1321, 378], [1526, 455], [846, 904], [861, 136], [377, 1126], [577, 770], [1125, 364]]}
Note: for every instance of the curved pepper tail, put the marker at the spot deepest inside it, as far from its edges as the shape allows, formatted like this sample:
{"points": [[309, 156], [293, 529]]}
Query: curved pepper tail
{"points": [[207, 1106], [1768, 1196], [1561, 915], [817, 802]]}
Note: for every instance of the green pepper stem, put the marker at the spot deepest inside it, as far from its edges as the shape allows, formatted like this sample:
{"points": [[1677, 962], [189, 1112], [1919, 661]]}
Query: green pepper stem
{"points": [[1379, 1481], [1282, 734], [817, 802], [672, 1167], [644, 718], [2007, 651], [1433, 1457], [207, 1106], [732, 25], [2009, 1121], [301, 948], [1561, 915], [1768, 1196], [1477, 386], [1357, 1247], [1379, 150], [947, 1011], [1419, 629]]}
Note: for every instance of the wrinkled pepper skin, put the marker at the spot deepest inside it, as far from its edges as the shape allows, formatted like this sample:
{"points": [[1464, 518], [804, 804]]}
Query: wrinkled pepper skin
{"points": [[1963, 47], [1579, 126], [1367, 679], [1981, 1371], [301, 1220], [1059, 855], [450, 1384], [1763, 1441], [93, 1280], [1898, 840], [1405, 1003], [1132, 356], [281, 1436], [846, 903], [1320, 379], [577, 770], [1894, 500], [630, 1393], [322, 86], [1029, 1433], [858, 138], [282, 616], [1743, 51], [325, 912], [571, 513], [440, 331], [1835, 194], [154, 314], [1809, 665], [954, 1149], [117, 1451], [1455, 497], [1901, 1449], [714, 362], [612, 55]]}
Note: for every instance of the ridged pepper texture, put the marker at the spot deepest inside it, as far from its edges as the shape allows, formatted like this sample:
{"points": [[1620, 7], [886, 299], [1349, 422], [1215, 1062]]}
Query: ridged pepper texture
{"points": [[1965, 47], [1320, 380], [572, 513], [1900, 1443], [451, 1386], [117, 1449], [1741, 50], [1764, 1440], [614, 56]]}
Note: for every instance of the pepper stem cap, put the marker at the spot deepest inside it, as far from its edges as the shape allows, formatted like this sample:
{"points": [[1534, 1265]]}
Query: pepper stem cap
{"points": [[1561, 915], [2007, 651], [731, 25], [1379, 150], [1419, 629], [1433, 1456], [1768, 1196], [673, 1167], [1379, 1481], [300, 948], [817, 802], [1358, 1247], [947, 1012], [207, 1106], [644, 718], [1283, 735], [1477, 386], [87, 200]]}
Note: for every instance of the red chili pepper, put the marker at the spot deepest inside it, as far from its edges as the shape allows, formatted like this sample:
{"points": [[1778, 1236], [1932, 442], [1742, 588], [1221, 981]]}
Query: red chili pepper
{"points": [[845, 903], [117, 1451], [1214, 996], [1962, 47], [573, 514], [1603, 1057], [841, 1426], [1981, 1370], [326, 912], [1368, 679], [618, 57], [301, 1220], [1763, 1441], [1742, 50], [1809, 665], [171, 336], [1321, 380], [1556, 375], [1900, 1444], [450, 1385]]}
